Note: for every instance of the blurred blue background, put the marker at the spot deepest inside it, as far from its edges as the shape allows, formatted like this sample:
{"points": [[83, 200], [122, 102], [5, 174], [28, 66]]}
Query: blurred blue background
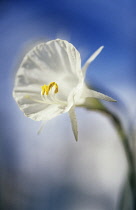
{"points": [[51, 171]]}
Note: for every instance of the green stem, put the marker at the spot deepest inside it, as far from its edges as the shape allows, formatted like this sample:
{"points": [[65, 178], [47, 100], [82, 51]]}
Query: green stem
{"points": [[94, 104], [129, 154]]}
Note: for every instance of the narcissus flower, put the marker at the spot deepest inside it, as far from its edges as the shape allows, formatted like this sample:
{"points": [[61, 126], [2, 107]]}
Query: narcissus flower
{"points": [[50, 81]]}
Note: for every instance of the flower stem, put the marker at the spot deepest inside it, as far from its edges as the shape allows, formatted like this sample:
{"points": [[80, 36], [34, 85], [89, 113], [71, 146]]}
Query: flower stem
{"points": [[94, 104], [129, 154]]}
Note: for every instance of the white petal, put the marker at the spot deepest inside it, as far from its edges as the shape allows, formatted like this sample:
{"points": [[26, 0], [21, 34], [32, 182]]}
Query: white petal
{"points": [[45, 113], [55, 61], [94, 94], [92, 57], [41, 127], [73, 122], [33, 106]]}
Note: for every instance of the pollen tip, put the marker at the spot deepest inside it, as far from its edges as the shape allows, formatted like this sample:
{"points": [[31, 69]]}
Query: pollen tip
{"points": [[46, 88]]}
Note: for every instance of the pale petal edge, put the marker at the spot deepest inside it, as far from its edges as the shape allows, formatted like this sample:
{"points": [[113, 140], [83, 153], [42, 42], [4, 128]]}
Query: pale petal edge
{"points": [[41, 127], [94, 94], [91, 58], [73, 120]]}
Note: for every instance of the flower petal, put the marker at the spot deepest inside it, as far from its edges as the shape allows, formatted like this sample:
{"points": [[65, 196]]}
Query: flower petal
{"points": [[92, 57], [73, 122], [94, 94], [55, 61], [43, 113], [33, 107]]}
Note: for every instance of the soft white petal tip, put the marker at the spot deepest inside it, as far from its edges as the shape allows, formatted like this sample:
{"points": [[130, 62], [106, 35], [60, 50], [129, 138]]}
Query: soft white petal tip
{"points": [[76, 138], [107, 98], [41, 128], [73, 122], [101, 47], [113, 100]]}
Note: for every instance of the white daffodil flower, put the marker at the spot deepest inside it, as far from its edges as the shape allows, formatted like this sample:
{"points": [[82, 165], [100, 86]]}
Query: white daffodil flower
{"points": [[50, 81]]}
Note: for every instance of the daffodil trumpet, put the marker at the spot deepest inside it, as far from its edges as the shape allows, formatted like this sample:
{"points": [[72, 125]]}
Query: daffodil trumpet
{"points": [[50, 81]]}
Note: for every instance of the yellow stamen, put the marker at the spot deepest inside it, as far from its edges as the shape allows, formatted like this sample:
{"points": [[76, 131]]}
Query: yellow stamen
{"points": [[47, 88]]}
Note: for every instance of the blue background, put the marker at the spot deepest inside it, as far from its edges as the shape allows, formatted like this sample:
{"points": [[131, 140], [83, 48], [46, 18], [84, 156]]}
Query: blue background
{"points": [[87, 24]]}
